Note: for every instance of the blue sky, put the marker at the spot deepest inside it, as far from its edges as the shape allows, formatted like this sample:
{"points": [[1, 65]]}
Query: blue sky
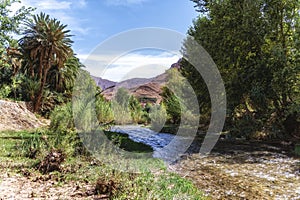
{"points": [[94, 21]]}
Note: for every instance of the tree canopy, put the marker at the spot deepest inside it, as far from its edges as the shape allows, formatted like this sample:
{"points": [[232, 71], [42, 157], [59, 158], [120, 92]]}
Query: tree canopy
{"points": [[41, 67], [255, 45]]}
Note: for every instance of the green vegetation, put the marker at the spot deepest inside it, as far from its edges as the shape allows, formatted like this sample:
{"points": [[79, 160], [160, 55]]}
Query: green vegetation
{"points": [[41, 66], [158, 116], [127, 109], [84, 169], [255, 45], [172, 104], [297, 149]]}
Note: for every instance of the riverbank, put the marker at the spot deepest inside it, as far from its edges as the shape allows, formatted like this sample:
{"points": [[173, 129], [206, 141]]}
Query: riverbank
{"points": [[235, 169], [79, 177], [245, 170]]}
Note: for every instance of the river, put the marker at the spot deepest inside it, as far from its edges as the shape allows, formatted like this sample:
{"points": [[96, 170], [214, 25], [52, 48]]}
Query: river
{"points": [[168, 147]]}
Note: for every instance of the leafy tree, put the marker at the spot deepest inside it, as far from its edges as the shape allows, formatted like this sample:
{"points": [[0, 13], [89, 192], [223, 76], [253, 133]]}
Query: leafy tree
{"points": [[179, 99], [9, 25], [120, 106], [122, 97], [172, 105], [254, 44], [45, 43], [137, 113], [158, 116], [104, 111]]}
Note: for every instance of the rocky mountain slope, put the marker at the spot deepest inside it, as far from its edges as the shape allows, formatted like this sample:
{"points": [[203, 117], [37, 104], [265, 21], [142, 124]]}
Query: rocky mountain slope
{"points": [[103, 83], [145, 89], [15, 116], [142, 88]]}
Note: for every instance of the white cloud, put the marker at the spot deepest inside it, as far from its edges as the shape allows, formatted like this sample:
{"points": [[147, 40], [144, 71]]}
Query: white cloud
{"points": [[131, 65], [53, 5], [62, 10], [124, 2]]}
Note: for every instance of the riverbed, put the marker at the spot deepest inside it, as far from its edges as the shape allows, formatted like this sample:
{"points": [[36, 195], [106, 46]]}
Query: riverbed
{"points": [[237, 169]]}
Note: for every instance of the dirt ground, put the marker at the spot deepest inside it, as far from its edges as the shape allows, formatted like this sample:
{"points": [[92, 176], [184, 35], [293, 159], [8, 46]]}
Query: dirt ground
{"points": [[19, 187], [245, 170], [16, 116]]}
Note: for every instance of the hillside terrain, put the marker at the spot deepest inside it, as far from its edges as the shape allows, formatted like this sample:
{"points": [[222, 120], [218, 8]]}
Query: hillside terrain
{"points": [[145, 89], [16, 116]]}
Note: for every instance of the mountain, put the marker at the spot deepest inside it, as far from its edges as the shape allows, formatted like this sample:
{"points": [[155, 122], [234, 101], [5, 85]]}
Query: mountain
{"points": [[145, 89], [103, 83]]}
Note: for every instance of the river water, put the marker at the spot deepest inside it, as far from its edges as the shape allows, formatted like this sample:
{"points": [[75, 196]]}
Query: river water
{"points": [[168, 147]]}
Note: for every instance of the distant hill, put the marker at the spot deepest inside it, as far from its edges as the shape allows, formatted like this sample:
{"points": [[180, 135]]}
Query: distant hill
{"points": [[145, 89], [103, 83]]}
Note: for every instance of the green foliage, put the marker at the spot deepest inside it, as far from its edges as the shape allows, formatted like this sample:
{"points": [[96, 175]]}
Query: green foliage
{"points": [[45, 45], [121, 114], [180, 99], [137, 113], [63, 133], [62, 119], [172, 105], [127, 109], [34, 146], [83, 102], [104, 111], [122, 97], [158, 116], [5, 90], [9, 25], [120, 107], [255, 46]]}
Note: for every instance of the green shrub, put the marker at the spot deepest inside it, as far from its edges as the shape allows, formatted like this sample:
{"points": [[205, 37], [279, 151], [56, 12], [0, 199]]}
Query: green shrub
{"points": [[62, 118], [104, 111], [172, 104], [158, 116], [121, 113], [63, 132], [5, 91], [137, 113]]}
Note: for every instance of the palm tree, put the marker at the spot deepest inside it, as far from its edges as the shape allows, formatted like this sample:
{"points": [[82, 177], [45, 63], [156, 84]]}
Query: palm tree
{"points": [[46, 44], [61, 79]]}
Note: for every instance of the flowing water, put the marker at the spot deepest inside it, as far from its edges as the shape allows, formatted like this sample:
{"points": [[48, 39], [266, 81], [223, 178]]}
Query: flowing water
{"points": [[166, 146]]}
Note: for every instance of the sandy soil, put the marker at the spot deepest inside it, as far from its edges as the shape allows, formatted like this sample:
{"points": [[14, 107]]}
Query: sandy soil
{"points": [[15, 116]]}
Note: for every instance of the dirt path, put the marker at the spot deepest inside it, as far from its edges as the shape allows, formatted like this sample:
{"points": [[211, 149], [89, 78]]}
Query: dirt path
{"points": [[19, 187], [244, 170]]}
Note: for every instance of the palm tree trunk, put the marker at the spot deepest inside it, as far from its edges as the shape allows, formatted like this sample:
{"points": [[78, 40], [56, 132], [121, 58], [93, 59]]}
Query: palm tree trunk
{"points": [[38, 101]]}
